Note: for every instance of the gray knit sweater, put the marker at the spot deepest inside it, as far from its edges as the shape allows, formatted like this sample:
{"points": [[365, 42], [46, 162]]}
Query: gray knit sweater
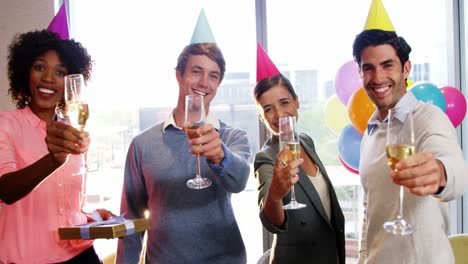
{"points": [[187, 226]]}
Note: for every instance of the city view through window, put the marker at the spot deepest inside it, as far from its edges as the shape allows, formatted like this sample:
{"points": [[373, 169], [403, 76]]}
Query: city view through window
{"points": [[135, 49]]}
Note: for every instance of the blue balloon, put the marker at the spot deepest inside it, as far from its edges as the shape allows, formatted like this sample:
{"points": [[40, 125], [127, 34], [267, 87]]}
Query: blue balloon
{"points": [[349, 144], [429, 93]]}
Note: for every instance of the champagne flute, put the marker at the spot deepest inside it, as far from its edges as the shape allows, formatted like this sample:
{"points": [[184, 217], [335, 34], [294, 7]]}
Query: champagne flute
{"points": [[195, 118], [400, 145], [60, 115], [289, 137], [76, 105]]}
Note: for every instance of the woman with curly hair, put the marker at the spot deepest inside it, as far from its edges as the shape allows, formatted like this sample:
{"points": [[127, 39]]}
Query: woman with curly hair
{"points": [[38, 192]]}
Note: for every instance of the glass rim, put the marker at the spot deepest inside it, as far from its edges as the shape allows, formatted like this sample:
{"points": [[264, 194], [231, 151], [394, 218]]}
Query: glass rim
{"points": [[74, 75]]}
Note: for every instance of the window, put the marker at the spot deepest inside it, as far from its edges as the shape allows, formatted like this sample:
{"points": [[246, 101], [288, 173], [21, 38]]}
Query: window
{"points": [[136, 43], [462, 225], [310, 40]]}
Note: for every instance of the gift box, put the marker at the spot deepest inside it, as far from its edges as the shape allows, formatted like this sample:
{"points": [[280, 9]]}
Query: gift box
{"points": [[112, 228]]}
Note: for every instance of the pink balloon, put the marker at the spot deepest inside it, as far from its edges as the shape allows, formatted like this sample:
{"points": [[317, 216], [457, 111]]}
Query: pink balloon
{"points": [[455, 104], [347, 81], [347, 166]]}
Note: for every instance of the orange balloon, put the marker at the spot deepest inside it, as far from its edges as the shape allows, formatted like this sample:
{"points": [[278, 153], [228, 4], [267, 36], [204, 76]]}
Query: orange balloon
{"points": [[360, 109]]}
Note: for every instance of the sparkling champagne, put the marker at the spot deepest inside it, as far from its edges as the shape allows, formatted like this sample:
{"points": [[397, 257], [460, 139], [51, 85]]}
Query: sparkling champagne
{"points": [[78, 113], [294, 151], [396, 153], [191, 130]]}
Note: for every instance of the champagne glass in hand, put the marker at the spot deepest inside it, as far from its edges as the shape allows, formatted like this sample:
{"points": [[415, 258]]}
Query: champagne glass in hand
{"points": [[76, 107], [195, 118], [288, 136], [60, 114], [400, 145]]}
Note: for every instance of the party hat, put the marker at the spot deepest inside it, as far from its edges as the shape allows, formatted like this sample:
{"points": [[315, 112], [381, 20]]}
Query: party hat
{"points": [[378, 17], [202, 32], [265, 67], [59, 24]]}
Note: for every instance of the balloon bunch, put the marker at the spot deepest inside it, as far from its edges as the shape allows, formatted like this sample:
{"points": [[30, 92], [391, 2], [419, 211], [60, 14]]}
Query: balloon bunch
{"points": [[351, 97], [347, 123], [448, 98]]}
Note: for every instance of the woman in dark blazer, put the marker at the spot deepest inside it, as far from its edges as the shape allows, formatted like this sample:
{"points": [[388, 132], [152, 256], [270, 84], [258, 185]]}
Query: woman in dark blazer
{"points": [[314, 234]]}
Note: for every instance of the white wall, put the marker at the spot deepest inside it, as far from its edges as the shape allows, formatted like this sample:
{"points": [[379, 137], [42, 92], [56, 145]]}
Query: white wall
{"points": [[18, 16]]}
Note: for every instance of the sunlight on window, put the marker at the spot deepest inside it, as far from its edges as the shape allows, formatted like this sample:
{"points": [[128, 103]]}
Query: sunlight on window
{"points": [[135, 45], [310, 40]]}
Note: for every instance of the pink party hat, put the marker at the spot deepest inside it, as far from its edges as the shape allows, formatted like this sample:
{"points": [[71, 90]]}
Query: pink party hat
{"points": [[265, 67], [59, 24]]}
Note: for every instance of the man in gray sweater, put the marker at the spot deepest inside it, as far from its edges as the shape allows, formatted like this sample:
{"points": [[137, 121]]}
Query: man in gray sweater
{"points": [[187, 225]]}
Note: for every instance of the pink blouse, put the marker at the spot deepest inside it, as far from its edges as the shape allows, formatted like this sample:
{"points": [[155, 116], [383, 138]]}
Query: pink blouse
{"points": [[29, 227]]}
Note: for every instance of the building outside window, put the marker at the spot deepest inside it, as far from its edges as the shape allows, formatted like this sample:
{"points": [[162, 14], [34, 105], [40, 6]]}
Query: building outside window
{"points": [[135, 45]]}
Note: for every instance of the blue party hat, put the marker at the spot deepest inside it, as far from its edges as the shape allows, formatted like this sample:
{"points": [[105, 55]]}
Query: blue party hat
{"points": [[202, 32]]}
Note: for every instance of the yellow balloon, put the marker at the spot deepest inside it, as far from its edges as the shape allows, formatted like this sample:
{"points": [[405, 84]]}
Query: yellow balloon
{"points": [[409, 83], [336, 117]]}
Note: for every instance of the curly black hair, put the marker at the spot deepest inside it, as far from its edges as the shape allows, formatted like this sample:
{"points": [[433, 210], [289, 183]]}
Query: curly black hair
{"points": [[375, 37], [27, 47]]}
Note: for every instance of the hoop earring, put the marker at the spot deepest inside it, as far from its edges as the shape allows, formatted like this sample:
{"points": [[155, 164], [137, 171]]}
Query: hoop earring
{"points": [[27, 100]]}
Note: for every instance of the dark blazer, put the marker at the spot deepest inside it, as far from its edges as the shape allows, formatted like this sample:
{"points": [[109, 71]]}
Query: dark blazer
{"points": [[307, 236]]}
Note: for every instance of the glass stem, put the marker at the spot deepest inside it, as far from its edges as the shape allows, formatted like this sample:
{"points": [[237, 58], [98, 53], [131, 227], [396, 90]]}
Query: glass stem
{"points": [[84, 166], [198, 166], [83, 163], [400, 215], [293, 194]]}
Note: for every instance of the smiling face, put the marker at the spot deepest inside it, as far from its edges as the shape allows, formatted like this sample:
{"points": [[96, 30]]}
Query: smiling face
{"points": [[275, 103], [201, 76], [46, 82], [383, 77]]}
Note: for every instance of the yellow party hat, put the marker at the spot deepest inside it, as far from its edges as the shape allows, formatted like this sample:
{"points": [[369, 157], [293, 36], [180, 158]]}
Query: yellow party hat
{"points": [[378, 17]]}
